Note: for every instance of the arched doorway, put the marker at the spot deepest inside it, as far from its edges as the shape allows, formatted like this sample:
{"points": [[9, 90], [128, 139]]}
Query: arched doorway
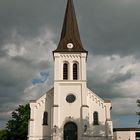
{"points": [[70, 131]]}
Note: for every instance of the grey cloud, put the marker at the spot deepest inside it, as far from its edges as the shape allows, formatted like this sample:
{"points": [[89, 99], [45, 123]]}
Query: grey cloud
{"points": [[112, 27], [27, 17], [2, 52], [107, 27], [26, 62], [108, 88], [104, 90], [117, 78], [18, 70]]}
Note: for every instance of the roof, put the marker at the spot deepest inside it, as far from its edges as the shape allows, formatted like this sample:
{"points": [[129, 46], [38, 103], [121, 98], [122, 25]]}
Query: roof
{"points": [[107, 101], [126, 129], [70, 32]]}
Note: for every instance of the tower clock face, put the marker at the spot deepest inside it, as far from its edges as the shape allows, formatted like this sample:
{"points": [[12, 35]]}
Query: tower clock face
{"points": [[69, 45]]}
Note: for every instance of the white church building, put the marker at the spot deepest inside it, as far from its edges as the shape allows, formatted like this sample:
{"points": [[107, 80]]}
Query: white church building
{"points": [[70, 111]]}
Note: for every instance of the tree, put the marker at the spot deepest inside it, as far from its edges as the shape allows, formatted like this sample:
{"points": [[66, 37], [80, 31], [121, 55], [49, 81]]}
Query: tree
{"points": [[3, 134], [17, 127], [138, 113]]}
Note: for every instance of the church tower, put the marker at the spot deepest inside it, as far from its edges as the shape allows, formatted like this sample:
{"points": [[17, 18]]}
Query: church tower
{"points": [[70, 111], [70, 74]]}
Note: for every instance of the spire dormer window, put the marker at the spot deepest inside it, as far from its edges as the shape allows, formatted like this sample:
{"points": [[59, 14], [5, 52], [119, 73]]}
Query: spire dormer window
{"points": [[65, 71]]}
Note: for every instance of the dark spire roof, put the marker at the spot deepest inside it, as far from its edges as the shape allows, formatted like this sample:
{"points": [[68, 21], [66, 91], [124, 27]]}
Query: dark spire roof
{"points": [[70, 32]]}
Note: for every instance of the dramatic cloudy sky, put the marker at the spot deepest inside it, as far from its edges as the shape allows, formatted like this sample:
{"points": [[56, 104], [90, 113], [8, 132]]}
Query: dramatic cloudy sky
{"points": [[110, 31]]}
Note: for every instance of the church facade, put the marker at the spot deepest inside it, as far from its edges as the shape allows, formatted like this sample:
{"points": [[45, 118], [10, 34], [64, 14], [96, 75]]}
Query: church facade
{"points": [[70, 111]]}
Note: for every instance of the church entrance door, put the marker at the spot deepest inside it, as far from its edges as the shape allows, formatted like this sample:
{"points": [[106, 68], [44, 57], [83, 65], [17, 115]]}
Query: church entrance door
{"points": [[70, 131]]}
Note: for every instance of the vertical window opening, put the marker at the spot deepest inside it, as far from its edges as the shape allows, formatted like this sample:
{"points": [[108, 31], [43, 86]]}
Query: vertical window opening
{"points": [[45, 118], [65, 71], [95, 118], [75, 71]]}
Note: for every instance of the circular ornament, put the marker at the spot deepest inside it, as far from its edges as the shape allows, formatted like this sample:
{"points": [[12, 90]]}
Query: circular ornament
{"points": [[70, 98]]}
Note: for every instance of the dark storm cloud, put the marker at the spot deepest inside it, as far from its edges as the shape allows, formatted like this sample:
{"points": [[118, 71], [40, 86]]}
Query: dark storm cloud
{"points": [[19, 59], [18, 70], [27, 17], [112, 27], [104, 90], [107, 27], [119, 77], [30, 63], [2, 53], [108, 89]]}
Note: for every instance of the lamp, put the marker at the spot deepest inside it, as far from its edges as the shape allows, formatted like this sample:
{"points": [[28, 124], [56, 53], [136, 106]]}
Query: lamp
{"points": [[85, 128], [55, 128]]}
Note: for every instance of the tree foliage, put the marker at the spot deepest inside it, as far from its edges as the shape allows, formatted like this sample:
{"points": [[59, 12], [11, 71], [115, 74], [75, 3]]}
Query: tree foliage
{"points": [[17, 127], [3, 134], [138, 113]]}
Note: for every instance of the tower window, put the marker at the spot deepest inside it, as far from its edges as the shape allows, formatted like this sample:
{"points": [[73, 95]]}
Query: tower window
{"points": [[75, 71], [95, 118], [65, 71], [45, 118]]}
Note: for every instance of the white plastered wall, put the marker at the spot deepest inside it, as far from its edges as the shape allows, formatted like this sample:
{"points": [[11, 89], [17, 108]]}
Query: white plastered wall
{"points": [[96, 104], [125, 135], [36, 128], [61, 112], [61, 58]]}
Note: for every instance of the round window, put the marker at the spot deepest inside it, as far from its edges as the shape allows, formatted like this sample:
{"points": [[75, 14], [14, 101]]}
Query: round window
{"points": [[70, 98]]}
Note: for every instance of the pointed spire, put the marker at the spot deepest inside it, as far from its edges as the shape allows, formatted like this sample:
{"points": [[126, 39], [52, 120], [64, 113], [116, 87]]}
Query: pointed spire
{"points": [[70, 32]]}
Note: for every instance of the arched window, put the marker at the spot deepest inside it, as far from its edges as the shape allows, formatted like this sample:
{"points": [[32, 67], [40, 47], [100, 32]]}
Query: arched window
{"points": [[95, 118], [65, 71], [75, 71], [45, 118]]}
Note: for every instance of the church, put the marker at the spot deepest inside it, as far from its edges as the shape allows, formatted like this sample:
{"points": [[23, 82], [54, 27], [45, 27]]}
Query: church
{"points": [[70, 110]]}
